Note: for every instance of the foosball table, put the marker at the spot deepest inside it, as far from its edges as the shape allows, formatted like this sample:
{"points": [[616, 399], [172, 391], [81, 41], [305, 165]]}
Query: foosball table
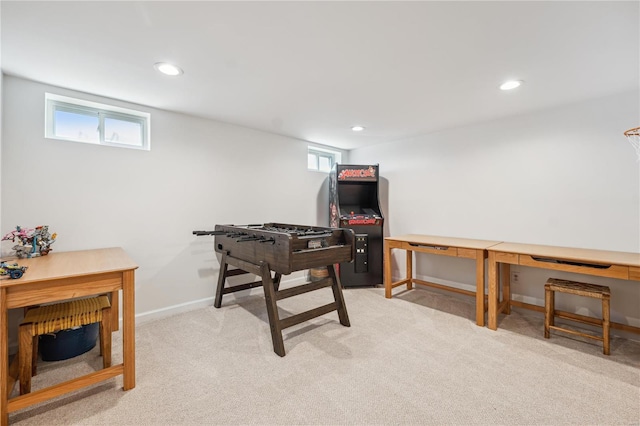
{"points": [[280, 249]]}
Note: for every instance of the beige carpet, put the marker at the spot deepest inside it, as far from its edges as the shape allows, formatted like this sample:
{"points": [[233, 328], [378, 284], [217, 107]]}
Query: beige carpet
{"points": [[418, 358]]}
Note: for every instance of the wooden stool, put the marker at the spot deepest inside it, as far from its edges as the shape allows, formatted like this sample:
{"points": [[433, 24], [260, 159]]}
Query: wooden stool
{"points": [[580, 289], [56, 317]]}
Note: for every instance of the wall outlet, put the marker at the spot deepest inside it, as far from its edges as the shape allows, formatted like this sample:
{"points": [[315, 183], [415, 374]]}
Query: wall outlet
{"points": [[515, 276]]}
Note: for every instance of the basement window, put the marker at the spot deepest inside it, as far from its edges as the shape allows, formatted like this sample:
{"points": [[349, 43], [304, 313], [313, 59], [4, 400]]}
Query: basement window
{"points": [[78, 120], [322, 159]]}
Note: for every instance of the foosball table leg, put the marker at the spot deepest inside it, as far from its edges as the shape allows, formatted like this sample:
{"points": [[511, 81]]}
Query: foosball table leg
{"points": [[222, 277], [337, 295], [269, 285], [276, 281]]}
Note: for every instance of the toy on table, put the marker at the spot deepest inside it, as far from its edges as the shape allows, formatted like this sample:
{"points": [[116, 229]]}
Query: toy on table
{"points": [[14, 270], [31, 242]]}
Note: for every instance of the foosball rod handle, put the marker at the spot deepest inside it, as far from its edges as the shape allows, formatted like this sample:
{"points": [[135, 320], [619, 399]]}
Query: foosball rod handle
{"points": [[209, 233]]}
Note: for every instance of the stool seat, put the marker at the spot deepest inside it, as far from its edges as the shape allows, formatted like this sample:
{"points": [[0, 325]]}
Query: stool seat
{"points": [[60, 316], [580, 289]]}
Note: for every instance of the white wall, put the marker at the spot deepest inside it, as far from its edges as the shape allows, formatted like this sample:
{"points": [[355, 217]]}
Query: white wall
{"points": [[199, 173], [564, 177]]}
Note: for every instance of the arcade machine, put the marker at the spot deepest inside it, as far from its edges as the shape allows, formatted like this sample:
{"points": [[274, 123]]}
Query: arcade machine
{"points": [[353, 203]]}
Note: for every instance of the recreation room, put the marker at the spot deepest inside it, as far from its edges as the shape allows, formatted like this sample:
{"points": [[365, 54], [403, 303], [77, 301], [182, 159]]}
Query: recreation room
{"points": [[319, 212]]}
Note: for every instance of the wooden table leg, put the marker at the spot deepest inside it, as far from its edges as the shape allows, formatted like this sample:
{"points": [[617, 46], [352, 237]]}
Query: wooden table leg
{"points": [[409, 269], [4, 358], [272, 309], [505, 279], [480, 255], [128, 329], [493, 292], [276, 281], [222, 277], [338, 297], [115, 310], [387, 270]]}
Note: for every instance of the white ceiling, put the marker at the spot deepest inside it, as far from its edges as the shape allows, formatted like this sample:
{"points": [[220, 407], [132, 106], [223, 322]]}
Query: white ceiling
{"points": [[311, 70]]}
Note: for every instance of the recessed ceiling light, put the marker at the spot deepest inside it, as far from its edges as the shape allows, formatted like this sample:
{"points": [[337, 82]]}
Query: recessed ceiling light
{"points": [[168, 69], [357, 128], [511, 84]]}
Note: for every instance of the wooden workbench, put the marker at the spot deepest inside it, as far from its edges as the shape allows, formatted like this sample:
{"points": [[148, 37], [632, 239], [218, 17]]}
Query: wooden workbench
{"points": [[611, 264], [442, 246]]}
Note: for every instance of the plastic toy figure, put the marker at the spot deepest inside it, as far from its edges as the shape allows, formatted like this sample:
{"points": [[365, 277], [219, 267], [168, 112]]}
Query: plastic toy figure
{"points": [[31, 242], [14, 270]]}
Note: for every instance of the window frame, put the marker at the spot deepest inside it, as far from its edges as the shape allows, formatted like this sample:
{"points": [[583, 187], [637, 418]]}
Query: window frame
{"points": [[333, 156], [67, 104]]}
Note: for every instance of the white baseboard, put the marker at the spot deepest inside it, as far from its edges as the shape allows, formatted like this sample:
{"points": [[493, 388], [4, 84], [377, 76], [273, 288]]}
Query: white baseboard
{"points": [[472, 287], [454, 284], [168, 311]]}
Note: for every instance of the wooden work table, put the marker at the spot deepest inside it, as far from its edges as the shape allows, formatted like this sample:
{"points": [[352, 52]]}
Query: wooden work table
{"points": [[61, 276], [442, 246], [611, 264]]}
